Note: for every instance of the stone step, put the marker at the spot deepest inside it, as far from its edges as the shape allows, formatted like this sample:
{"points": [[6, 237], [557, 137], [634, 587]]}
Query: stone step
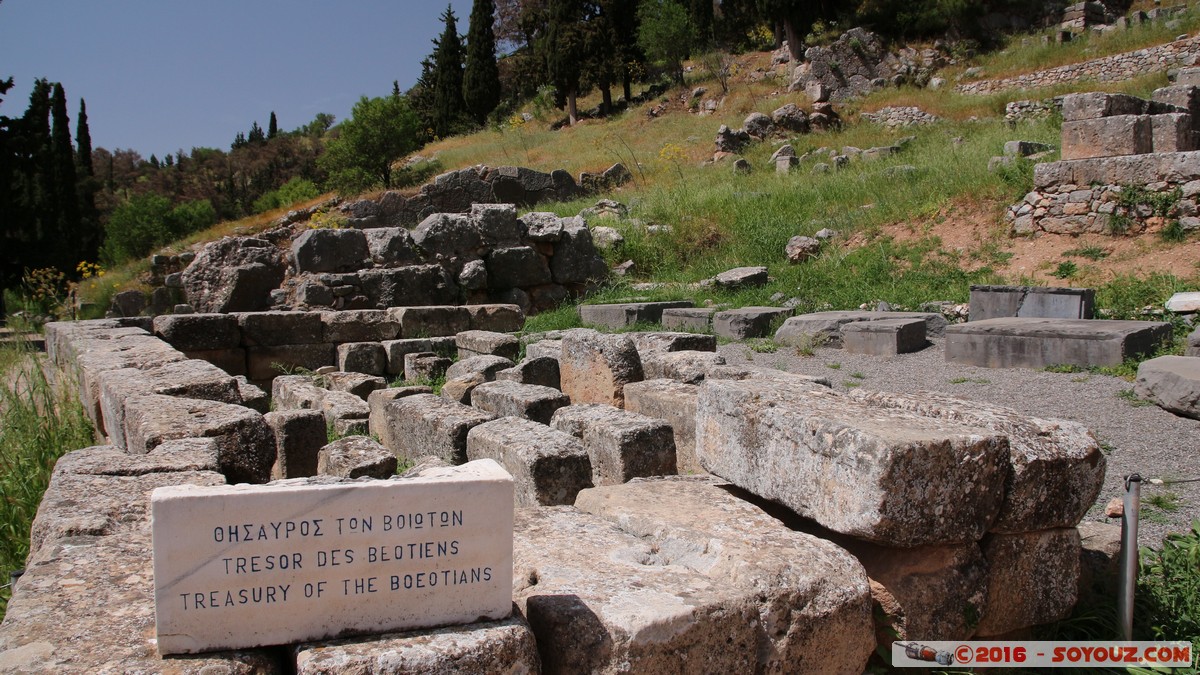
{"points": [[1015, 342]]}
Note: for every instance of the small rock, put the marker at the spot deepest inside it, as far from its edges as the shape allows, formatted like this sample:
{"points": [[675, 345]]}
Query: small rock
{"points": [[801, 248], [1115, 508], [742, 166]]}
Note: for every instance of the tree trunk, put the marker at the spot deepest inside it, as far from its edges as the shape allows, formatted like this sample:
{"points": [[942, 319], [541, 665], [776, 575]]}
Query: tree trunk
{"points": [[795, 41], [572, 110], [607, 103], [627, 84]]}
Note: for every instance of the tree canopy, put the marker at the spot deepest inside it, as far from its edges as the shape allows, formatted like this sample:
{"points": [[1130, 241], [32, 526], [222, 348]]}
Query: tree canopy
{"points": [[379, 131]]}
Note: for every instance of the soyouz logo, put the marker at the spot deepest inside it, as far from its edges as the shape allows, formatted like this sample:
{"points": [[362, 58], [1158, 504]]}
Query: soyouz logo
{"points": [[1055, 654]]}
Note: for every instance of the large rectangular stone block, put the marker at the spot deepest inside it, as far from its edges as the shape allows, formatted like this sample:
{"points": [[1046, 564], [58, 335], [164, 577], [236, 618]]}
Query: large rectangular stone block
{"points": [[674, 403], [232, 361], [991, 302], [97, 355], [483, 343], [1033, 579], [266, 329], [884, 338], [306, 561], [360, 325], [1093, 105], [500, 318], [748, 322], [886, 476], [663, 341], [548, 466], [377, 404], [432, 321], [397, 349], [595, 367], [425, 425], [623, 315], [193, 332], [1107, 137], [825, 328], [299, 437], [185, 379], [622, 445], [513, 399], [1183, 97], [296, 392], [1172, 383], [689, 367], [1037, 343], [1173, 132], [267, 363], [686, 318]]}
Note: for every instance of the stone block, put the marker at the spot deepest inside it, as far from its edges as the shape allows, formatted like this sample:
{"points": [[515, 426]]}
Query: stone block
{"points": [[296, 392], [622, 445], [689, 318], [623, 315], [1172, 383], [673, 342], [595, 367], [1036, 343], [253, 396], [990, 302], [674, 403], [365, 558], [1099, 560], [496, 317], [687, 367], [1193, 344], [395, 350], [196, 332], [460, 389], [741, 277], [1033, 579], [342, 405], [484, 343], [680, 576], [548, 467], [748, 322], [887, 476], [126, 351], [390, 246], [542, 371], [245, 445], [408, 285], [487, 366], [351, 427], [1172, 132], [575, 259], [550, 349], [330, 250], [267, 363], [1095, 105], [1056, 467], [1107, 137], [1181, 97], [425, 425], [356, 457], [511, 399], [1183, 303], [432, 321], [280, 328], [188, 454], [425, 366], [299, 437], [377, 404], [232, 361], [368, 358], [504, 646], [359, 384], [185, 379], [884, 338], [360, 325], [516, 267]]}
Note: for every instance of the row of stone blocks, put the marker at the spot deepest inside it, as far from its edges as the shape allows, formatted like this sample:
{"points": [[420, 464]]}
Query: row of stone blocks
{"points": [[1105, 125], [974, 496]]}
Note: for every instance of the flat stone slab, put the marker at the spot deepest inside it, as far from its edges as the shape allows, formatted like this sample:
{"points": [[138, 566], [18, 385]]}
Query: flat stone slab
{"points": [[884, 338], [1036, 343], [625, 314], [747, 322], [1184, 303], [677, 575], [548, 467], [887, 476], [825, 328], [1172, 382], [688, 318], [991, 302], [294, 561]]}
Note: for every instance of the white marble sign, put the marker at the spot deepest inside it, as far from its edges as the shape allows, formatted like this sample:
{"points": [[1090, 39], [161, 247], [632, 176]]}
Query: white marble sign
{"points": [[246, 566]]}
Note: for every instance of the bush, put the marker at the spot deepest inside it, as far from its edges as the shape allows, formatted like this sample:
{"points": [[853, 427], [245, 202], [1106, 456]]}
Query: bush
{"points": [[291, 192], [148, 221]]}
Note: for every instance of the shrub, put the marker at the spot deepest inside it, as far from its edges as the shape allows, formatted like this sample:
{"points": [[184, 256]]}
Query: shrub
{"points": [[291, 192], [148, 221]]}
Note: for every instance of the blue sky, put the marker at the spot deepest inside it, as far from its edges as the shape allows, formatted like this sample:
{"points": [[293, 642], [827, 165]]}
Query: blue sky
{"points": [[160, 75]]}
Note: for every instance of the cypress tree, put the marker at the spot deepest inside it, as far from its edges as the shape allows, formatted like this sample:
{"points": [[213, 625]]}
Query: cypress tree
{"points": [[272, 126], [448, 105], [66, 206], [37, 169], [481, 80], [564, 49], [623, 15], [89, 216]]}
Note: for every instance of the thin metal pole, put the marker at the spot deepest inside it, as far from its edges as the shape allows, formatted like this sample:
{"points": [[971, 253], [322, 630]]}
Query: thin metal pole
{"points": [[1129, 554]]}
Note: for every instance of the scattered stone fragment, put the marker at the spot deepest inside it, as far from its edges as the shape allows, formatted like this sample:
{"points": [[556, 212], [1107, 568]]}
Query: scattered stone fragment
{"points": [[801, 248], [741, 277], [1172, 383]]}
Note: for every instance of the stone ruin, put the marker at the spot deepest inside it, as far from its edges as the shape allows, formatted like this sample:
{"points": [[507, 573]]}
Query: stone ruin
{"points": [[673, 513], [1128, 164]]}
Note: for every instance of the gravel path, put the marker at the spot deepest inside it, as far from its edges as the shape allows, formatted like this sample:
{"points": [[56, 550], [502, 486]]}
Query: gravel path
{"points": [[1138, 438]]}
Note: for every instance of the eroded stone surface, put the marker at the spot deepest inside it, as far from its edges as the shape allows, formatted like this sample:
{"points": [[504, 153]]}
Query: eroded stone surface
{"points": [[1172, 382], [530, 401], [548, 467], [1033, 579], [674, 403], [425, 424], [595, 367], [299, 437], [356, 457], [186, 379], [622, 445]]}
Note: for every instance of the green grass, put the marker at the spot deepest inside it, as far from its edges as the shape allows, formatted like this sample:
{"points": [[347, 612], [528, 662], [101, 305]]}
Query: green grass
{"points": [[971, 380], [1130, 397], [40, 422]]}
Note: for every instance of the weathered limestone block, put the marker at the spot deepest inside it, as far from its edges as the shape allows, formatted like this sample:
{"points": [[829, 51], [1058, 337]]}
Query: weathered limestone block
{"points": [[460, 389], [748, 322], [330, 250], [1033, 578], [541, 371], [516, 267], [396, 350], [359, 384], [884, 338], [673, 342], [390, 246], [196, 332], [264, 363], [504, 646], [550, 349], [279, 328], [107, 504], [1172, 382], [883, 475], [101, 355], [1107, 137], [623, 315], [595, 367], [1056, 467], [680, 576], [1036, 343], [575, 259], [187, 454], [368, 358], [688, 318], [253, 396], [299, 436], [825, 328], [408, 285], [548, 466], [234, 274], [110, 603], [186, 379], [990, 302], [356, 457], [377, 403], [425, 366], [1193, 344], [487, 366], [432, 321], [674, 403], [296, 392], [342, 405], [623, 445], [246, 447], [425, 424], [486, 343], [360, 325], [688, 367], [1093, 105], [1099, 560], [1172, 132], [351, 427], [496, 317], [512, 399]]}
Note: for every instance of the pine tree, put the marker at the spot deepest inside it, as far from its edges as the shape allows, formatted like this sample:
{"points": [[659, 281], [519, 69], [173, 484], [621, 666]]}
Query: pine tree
{"points": [[256, 135], [563, 48], [66, 199], [272, 126], [481, 80], [89, 216], [448, 105]]}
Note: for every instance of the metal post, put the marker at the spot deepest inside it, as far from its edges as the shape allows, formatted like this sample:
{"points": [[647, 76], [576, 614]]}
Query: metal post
{"points": [[1129, 554]]}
